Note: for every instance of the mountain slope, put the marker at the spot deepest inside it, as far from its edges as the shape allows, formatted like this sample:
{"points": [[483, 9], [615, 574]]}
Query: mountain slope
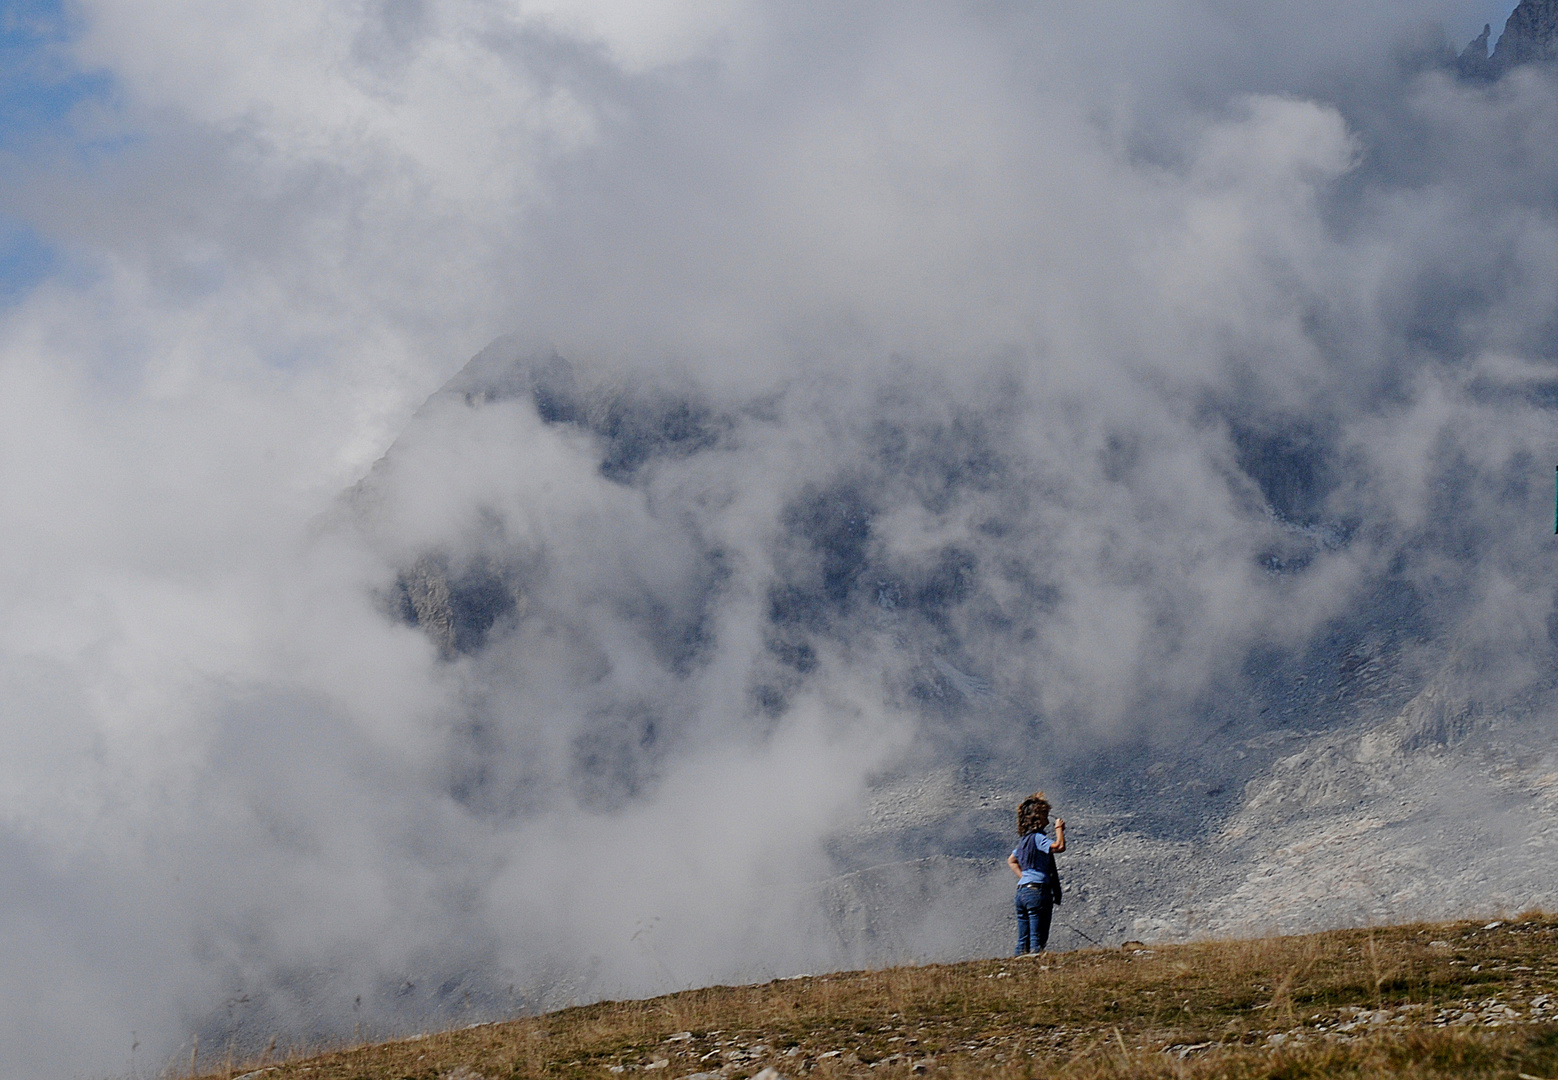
{"points": [[1453, 1000]]}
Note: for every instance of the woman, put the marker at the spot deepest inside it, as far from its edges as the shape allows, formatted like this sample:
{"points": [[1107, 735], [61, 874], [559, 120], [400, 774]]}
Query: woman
{"points": [[1033, 861]]}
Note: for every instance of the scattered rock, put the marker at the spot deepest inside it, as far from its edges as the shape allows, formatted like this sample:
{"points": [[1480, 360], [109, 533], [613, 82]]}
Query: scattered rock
{"points": [[680, 1036]]}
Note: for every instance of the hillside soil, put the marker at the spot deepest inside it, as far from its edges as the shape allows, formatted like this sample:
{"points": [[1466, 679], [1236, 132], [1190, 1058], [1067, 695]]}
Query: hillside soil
{"points": [[1469, 999]]}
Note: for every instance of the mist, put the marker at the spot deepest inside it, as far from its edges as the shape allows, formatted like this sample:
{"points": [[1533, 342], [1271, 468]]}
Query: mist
{"points": [[855, 393]]}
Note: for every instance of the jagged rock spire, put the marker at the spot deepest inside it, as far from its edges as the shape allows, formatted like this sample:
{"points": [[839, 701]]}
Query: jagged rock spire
{"points": [[1530, 35], [1477, 48]]}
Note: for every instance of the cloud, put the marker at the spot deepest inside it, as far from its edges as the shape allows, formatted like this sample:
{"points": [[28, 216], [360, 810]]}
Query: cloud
{"points": [[890, 387]]}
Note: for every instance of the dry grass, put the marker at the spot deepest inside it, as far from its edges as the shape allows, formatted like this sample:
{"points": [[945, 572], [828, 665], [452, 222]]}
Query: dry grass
{"points": [[1444, 1000]]}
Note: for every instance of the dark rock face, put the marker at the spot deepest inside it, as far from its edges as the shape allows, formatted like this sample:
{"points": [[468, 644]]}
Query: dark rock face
{"points": [[1474, 62], [456, 609], [632, 425], [1530, 35]]}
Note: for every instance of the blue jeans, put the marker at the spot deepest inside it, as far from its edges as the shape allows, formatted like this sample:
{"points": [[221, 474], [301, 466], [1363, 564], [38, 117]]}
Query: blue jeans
{"points": [[1034, 908]]}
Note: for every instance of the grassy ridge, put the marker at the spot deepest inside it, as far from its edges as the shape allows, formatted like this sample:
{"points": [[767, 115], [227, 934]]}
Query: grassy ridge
{"points": [[1426, 1000]]}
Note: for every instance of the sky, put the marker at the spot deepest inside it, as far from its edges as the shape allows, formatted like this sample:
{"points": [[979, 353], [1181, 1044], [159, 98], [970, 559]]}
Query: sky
{"points": [[874, 389]]}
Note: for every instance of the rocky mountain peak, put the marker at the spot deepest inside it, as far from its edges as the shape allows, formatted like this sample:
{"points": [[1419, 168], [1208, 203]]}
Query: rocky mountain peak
{"points": [[1530, 35]]}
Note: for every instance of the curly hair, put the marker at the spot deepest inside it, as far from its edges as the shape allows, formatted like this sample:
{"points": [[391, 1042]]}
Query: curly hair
{"points": [[1032, 813]]}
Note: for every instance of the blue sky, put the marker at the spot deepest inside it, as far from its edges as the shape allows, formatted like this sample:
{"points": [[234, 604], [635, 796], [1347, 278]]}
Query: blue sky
{"points": [[39, 90]]}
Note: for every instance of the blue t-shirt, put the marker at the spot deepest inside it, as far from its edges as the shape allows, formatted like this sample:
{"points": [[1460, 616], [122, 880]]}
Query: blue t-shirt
{"points": [[1036, 876]]}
